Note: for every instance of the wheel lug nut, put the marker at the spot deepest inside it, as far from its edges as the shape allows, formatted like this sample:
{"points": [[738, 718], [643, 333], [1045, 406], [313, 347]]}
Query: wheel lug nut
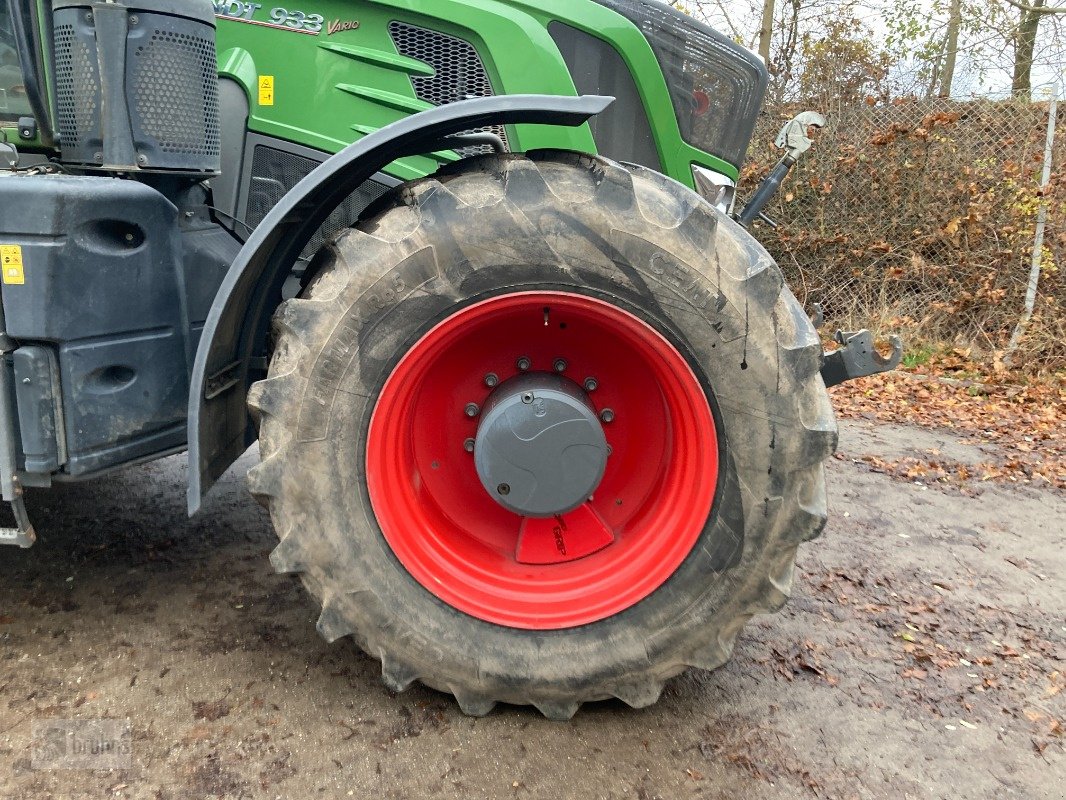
{"points": [[468, 445], [527, 397], [492, 379], [560, 365], [523, 363], [607, 415], [471, 410], [591, 384], [503, 488]]}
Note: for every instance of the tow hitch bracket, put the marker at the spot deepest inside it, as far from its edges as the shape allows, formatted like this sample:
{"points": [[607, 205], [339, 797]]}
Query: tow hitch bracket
{"points": [[857, 357]]}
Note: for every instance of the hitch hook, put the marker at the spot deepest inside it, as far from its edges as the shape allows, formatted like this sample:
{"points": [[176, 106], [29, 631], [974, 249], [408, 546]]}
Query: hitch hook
{"points": [[857, 357]]}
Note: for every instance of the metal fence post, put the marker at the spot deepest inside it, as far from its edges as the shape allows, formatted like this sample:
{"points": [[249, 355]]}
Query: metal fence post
{"points": [[1038, 238]]}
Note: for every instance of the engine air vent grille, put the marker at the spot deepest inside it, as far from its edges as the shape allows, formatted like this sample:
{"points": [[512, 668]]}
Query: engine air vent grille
{"points": [[175, 88], [77, 87], [459, 73], [151, 105]]}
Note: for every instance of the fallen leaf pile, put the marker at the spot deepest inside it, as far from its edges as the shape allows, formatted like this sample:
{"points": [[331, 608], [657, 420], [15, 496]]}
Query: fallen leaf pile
{"points": [[1025, 422]]}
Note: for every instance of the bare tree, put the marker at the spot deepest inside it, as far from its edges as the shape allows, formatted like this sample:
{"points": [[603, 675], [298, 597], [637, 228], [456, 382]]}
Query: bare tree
{"points": [[951, 48], [1025, 41], [766, 31], [938, 46]]}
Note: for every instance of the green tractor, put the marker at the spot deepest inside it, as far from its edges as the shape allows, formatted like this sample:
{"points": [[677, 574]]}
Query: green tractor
{"points": [[539, 421]]}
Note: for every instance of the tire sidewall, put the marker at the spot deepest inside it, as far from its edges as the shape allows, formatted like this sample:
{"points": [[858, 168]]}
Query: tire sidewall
{"points": [[723, 322]]}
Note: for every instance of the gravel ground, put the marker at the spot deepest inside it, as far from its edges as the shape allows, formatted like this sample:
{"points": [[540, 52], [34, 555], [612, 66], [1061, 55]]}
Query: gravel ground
{"points": [[922, 655]]}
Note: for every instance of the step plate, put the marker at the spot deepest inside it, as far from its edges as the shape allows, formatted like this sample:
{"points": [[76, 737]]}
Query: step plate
{"points": [[18, 536]]}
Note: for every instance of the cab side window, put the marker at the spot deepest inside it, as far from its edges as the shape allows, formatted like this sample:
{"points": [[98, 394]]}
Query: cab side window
{"points": [[13, 101]]}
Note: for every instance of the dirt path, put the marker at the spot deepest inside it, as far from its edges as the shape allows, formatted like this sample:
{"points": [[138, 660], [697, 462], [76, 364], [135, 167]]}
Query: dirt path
{"points": [[923, 655]]}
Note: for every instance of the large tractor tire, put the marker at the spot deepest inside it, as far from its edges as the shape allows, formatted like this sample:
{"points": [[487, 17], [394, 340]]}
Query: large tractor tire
{"points": [[545, 429]]}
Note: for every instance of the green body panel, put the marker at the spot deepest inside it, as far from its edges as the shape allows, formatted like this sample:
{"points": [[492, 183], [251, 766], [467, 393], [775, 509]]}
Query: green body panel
{"points": [[330, 89]]}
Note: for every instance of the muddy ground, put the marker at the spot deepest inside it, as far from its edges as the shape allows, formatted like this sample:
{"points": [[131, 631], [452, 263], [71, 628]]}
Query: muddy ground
{"points": [[922, 655]]}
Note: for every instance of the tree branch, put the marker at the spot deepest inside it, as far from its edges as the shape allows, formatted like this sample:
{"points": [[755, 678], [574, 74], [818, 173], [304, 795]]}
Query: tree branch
{"points": [[1037, 9]]}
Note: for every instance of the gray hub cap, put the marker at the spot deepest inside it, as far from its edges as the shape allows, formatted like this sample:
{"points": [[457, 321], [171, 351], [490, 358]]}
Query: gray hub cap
{"points": [[540, 449]]}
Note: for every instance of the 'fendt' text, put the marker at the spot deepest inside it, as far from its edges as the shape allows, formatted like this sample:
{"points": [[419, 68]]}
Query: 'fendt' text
{"points": [[281, 18]]}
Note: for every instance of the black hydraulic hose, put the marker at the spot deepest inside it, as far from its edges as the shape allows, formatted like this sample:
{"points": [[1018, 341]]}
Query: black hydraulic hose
{"points": [[766, 190], [32, 67]]}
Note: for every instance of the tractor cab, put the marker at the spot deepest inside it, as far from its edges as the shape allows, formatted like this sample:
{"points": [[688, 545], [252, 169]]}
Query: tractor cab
{"points": [[24, 103], [13, 100]]}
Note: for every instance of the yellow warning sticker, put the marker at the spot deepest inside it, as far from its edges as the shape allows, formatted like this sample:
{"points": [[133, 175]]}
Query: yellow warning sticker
{"points": [[266, 90], [11, 261]]}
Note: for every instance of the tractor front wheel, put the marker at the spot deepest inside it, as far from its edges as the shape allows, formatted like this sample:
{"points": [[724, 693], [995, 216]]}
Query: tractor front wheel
{"points": [[543, 430]]}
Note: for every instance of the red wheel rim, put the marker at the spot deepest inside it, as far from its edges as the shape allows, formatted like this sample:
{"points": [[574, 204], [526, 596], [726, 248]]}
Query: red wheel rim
{"points": [[642, 520]]}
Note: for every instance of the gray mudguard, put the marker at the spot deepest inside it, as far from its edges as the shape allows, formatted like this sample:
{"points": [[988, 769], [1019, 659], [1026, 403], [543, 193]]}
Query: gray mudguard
{"points": [[220, 428]]}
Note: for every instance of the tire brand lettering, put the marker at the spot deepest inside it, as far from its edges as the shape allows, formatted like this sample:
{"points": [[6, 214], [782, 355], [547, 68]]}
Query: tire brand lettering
{"points": [[387, 294], [685, 282], [682, 280]]}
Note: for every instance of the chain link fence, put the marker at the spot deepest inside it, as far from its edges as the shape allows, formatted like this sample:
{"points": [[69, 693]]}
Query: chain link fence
{"points": [[920, 217]]}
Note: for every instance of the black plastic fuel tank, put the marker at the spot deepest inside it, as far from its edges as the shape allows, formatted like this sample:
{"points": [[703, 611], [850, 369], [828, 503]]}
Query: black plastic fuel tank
{"points": [[103, 285]]}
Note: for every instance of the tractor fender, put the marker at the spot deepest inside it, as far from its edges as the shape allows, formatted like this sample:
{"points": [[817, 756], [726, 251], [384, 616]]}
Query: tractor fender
{"points": [[220, 428]]}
